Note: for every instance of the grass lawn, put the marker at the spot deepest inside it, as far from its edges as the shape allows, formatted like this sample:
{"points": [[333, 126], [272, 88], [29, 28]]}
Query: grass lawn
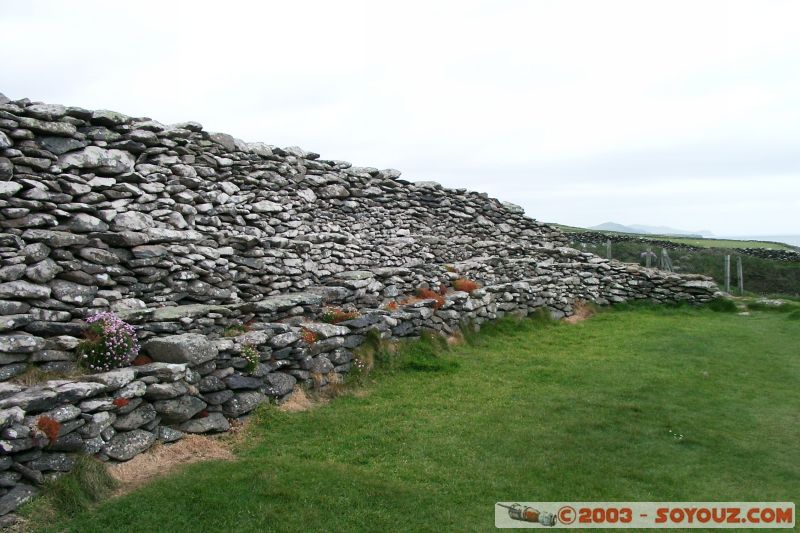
{"points": [[727, 243], [526, 412]]}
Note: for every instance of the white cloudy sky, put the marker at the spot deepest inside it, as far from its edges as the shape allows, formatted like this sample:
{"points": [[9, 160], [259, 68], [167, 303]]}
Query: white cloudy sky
{"points": [[679, 113]]}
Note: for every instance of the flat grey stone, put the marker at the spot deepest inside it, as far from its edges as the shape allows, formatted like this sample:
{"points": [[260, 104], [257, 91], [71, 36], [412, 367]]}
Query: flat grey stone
{"points": [[31, 400], [73, 392], [237, 381], [324, 330], [213, 423], [333, 191], [321, 364], [60, 462], [104, 117], [125, 446], [190, 348], [24, 289], [63, 413], [140, 416], [16, 445], [265, 206], [271, 304], [164, 314], [210, 384], [132, 221], [71, 442], [96, 423], [55, 239], [43, 271], [165, 434], [20, 343], [165, 391], [60, 145], [242, 403], [114, 379], [179, 409], [46, 111], [85, 223], [217, 398], [284, 339], [98, 159], [162, 371], [16, 497], [279, 384], [93, 445], [5, 142], [12, 415], [9, 188]]}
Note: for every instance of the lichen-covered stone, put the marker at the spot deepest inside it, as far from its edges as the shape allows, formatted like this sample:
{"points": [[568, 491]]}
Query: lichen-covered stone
{"points": [[189, 348], [213, 423], [179, 409], [125, 446]]}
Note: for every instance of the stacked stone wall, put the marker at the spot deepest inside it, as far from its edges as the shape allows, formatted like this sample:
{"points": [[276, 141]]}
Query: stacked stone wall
{"points": [[190, 236]]}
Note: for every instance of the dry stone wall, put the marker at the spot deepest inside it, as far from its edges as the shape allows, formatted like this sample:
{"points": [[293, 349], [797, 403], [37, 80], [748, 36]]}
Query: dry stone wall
{"points": [[187, 234]]}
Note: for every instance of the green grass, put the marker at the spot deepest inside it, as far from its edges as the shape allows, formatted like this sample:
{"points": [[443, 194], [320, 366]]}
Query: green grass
{"points": [[528, 411], [726, 243], [88, 483]]}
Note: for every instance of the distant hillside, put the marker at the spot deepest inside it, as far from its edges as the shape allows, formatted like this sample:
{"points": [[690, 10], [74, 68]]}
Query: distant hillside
{"points": [[650, 230], [666, 230], [613, 226]]}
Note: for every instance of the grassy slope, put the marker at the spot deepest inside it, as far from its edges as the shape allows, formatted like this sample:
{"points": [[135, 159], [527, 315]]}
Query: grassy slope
{"points": [[570, 412], [700, 243]]}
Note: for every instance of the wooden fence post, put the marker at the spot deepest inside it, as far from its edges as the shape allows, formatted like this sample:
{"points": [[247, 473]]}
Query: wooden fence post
{"points": [[728, 274], [666, 262], [739, 274]]}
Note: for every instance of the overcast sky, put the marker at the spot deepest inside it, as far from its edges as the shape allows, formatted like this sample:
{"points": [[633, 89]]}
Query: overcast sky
{"points": [[684, 114]]}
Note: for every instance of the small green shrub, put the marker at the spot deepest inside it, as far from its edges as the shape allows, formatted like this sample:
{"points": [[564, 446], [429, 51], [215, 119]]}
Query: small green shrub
{"points": [[794, 315], [722, 305], [110, 343]]}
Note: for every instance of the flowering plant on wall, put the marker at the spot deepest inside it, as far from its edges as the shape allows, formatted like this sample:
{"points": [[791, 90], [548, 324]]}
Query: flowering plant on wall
{"points": [[251, 355], [110, 343]]}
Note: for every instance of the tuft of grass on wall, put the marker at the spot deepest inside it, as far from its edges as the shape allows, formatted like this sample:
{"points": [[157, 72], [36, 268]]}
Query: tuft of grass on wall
{"points": [[426, 354], [71, 494]]}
